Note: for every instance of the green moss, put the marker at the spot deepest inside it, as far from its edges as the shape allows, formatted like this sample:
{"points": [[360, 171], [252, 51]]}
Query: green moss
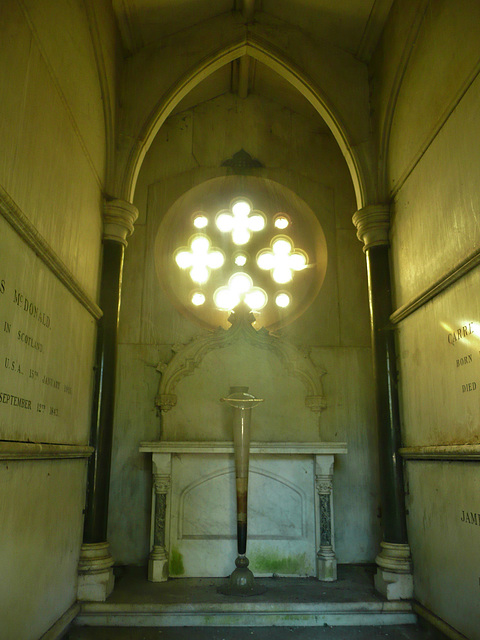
{"points": [[273, 563], [175, 564]]}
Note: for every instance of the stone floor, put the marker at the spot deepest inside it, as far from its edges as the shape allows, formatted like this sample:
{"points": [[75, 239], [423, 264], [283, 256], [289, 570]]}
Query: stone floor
{"points": [[133, 592], [394, 632]]}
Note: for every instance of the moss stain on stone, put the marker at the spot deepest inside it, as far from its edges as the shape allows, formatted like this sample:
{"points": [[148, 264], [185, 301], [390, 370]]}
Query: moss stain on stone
{"points": [[176, 567], [273, 563]]}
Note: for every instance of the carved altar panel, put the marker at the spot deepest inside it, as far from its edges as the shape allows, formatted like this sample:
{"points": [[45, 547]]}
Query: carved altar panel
{"points": [[281, 518]]}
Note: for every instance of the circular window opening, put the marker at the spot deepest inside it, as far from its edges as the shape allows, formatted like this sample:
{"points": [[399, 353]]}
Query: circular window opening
{"points": [[235, 239]]}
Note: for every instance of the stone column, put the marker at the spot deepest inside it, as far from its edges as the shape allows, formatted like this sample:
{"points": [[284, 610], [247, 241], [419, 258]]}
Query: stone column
{"points": [[158, 560], [394, 570], [95, 579], [326, 559]]}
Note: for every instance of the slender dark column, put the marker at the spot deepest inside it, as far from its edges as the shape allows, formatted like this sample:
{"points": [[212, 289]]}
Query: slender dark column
{"points": [[385, 376], [95, 580], [96, 511], [393, 577]]}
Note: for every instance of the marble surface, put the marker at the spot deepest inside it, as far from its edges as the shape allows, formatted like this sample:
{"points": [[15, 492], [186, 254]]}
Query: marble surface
{"points": [[281, 525], [291, 603], [444, 534], [440, 371], [42, 524], [46, 350]]}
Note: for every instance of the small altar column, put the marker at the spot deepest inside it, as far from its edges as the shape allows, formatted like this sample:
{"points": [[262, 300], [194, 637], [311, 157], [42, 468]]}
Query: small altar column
{"points": [[326, 559], [158, 559]]}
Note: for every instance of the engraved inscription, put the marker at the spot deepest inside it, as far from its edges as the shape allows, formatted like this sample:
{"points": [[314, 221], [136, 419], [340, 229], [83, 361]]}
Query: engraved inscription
{"points": [[460, 333], [13, 364], [465, 360], [31, 308], [470, 517], [15, 401]]}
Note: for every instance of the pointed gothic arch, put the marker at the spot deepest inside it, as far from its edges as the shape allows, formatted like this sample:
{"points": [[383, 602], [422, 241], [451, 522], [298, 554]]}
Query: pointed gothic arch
{"points": [[263, 52]]}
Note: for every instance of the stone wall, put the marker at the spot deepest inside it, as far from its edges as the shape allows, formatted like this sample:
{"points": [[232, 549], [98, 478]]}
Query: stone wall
{"points": [[299, 153], [427, 104], [52, 175]]}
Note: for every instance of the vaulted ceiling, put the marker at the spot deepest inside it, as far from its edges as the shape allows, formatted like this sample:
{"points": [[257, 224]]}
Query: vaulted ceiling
{"points": [[353, 26]]}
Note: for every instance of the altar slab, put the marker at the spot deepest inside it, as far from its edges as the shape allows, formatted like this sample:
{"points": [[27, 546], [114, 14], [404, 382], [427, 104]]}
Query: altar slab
{"points": [[290, 485]]}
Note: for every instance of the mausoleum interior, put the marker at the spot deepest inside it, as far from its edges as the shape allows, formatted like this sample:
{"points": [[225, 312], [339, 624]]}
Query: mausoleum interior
{"points": [[267, 200]]}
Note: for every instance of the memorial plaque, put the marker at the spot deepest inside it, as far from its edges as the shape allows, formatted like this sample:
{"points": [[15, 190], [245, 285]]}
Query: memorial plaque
{"points": [[444, 533], [440, 367], [46, 350]]}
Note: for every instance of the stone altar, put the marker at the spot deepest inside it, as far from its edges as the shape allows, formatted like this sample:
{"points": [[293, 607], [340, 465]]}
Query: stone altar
{"points": [[291, 523]]}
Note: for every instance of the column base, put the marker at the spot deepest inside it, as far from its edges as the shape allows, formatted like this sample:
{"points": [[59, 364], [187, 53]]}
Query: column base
{"points": [[394, 578], [326, 566], [95, 572], [158, 566]]}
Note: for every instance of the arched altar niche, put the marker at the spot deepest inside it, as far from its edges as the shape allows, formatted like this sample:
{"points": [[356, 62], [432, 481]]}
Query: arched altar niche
{"points": [[290, 464], [201, 372]]}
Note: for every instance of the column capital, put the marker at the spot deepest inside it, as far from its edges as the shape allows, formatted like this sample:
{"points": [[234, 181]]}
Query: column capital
{"points": [[373, 225], [118, 219]]}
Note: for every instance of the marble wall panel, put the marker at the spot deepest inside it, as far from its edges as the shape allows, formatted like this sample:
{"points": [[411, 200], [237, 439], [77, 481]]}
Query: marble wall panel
{"points": [[65, 27], [350, 417], [228, 124], [44, 167], [46, 350], [439, 359], [129, 327], [436, 213], [444, 533], [352, 290], [281, 526], [434, 79], [136, 420], [41, 506], [199, 414]]}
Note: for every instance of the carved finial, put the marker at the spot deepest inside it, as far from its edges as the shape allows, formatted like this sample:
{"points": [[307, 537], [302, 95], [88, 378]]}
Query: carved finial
{"points": [[242, 314], [242, 161]]}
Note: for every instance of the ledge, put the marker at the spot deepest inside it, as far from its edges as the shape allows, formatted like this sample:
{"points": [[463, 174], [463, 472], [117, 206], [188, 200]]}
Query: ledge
{"points": [[461, 452], [41, 451], [288, 448]]}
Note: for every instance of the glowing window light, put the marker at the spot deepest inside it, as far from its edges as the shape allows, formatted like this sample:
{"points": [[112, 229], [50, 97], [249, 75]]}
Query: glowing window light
{"points": [[282, 274], [198, 298], [200, 245], [183, 259], [200, 221], [282, 300], [266, 260], [215, 259], [240, 282], [225, 299], [282, 260], [240, 236], [282, 246], [256, 299], [241, 208], [200, 259], [281, 222], [256, 222], [297, 261], [241, 222], [199, 274], [224, 221], [240, 260]]}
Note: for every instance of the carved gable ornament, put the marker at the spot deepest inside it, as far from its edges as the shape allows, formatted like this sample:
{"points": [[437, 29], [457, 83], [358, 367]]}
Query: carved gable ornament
{"points": [[189, 357]]}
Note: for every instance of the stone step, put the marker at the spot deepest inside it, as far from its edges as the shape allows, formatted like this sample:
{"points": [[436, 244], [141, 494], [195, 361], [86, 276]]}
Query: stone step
{"points": [[245, 613]]}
